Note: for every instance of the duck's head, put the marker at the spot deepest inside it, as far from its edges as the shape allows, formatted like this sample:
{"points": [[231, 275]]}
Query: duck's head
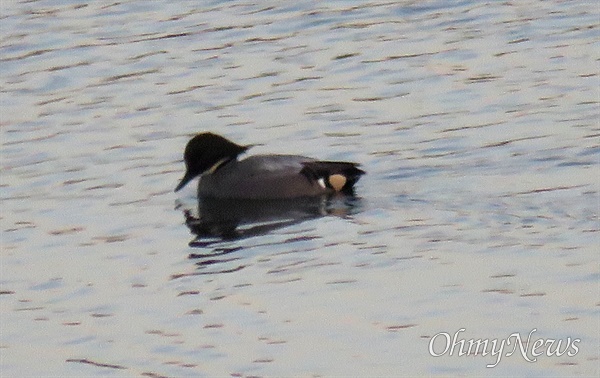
{"points": [[206, 152]]}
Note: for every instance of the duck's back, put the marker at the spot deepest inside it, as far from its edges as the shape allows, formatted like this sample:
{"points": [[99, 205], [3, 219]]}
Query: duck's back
{"points": [[260, 177]]}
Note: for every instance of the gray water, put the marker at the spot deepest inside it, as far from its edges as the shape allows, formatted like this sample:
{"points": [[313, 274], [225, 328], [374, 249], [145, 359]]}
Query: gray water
{"points": [[477, 123]]}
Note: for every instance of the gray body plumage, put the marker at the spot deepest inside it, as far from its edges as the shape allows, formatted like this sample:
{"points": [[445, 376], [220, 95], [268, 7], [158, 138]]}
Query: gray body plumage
{"points": [[261, 177]]}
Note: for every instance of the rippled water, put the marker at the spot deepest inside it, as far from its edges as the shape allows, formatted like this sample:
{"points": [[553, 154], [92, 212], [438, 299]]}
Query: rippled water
{"points": [[476, 122]]}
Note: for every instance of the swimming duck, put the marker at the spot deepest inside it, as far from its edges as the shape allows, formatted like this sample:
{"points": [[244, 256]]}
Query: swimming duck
{"points": [[215, 159]]}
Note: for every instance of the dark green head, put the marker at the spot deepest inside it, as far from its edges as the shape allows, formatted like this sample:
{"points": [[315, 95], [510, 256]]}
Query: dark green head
{"points": [[206, 151]]}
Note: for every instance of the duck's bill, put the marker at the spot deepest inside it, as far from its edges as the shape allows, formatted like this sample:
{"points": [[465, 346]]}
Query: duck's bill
{"points": [[187, 178]]}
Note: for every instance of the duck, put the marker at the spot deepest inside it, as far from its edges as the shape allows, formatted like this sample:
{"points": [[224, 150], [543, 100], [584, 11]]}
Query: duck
{"points": [[223, 175]]}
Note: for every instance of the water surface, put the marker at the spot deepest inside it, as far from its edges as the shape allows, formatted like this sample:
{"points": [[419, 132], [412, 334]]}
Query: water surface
{"points": [[478, 127]]}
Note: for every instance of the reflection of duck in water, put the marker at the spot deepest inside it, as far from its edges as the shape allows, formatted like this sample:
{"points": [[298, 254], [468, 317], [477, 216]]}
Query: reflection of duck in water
{"points": [[261, 193], [231, 219], [222, 221], [222, 175]]}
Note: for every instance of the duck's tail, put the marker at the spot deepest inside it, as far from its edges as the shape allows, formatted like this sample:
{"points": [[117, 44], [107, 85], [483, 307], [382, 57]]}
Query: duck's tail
{"points": [[337, 175]]}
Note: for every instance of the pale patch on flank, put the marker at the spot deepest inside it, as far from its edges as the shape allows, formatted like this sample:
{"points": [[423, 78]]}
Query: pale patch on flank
{"points": [[337, 181]]}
